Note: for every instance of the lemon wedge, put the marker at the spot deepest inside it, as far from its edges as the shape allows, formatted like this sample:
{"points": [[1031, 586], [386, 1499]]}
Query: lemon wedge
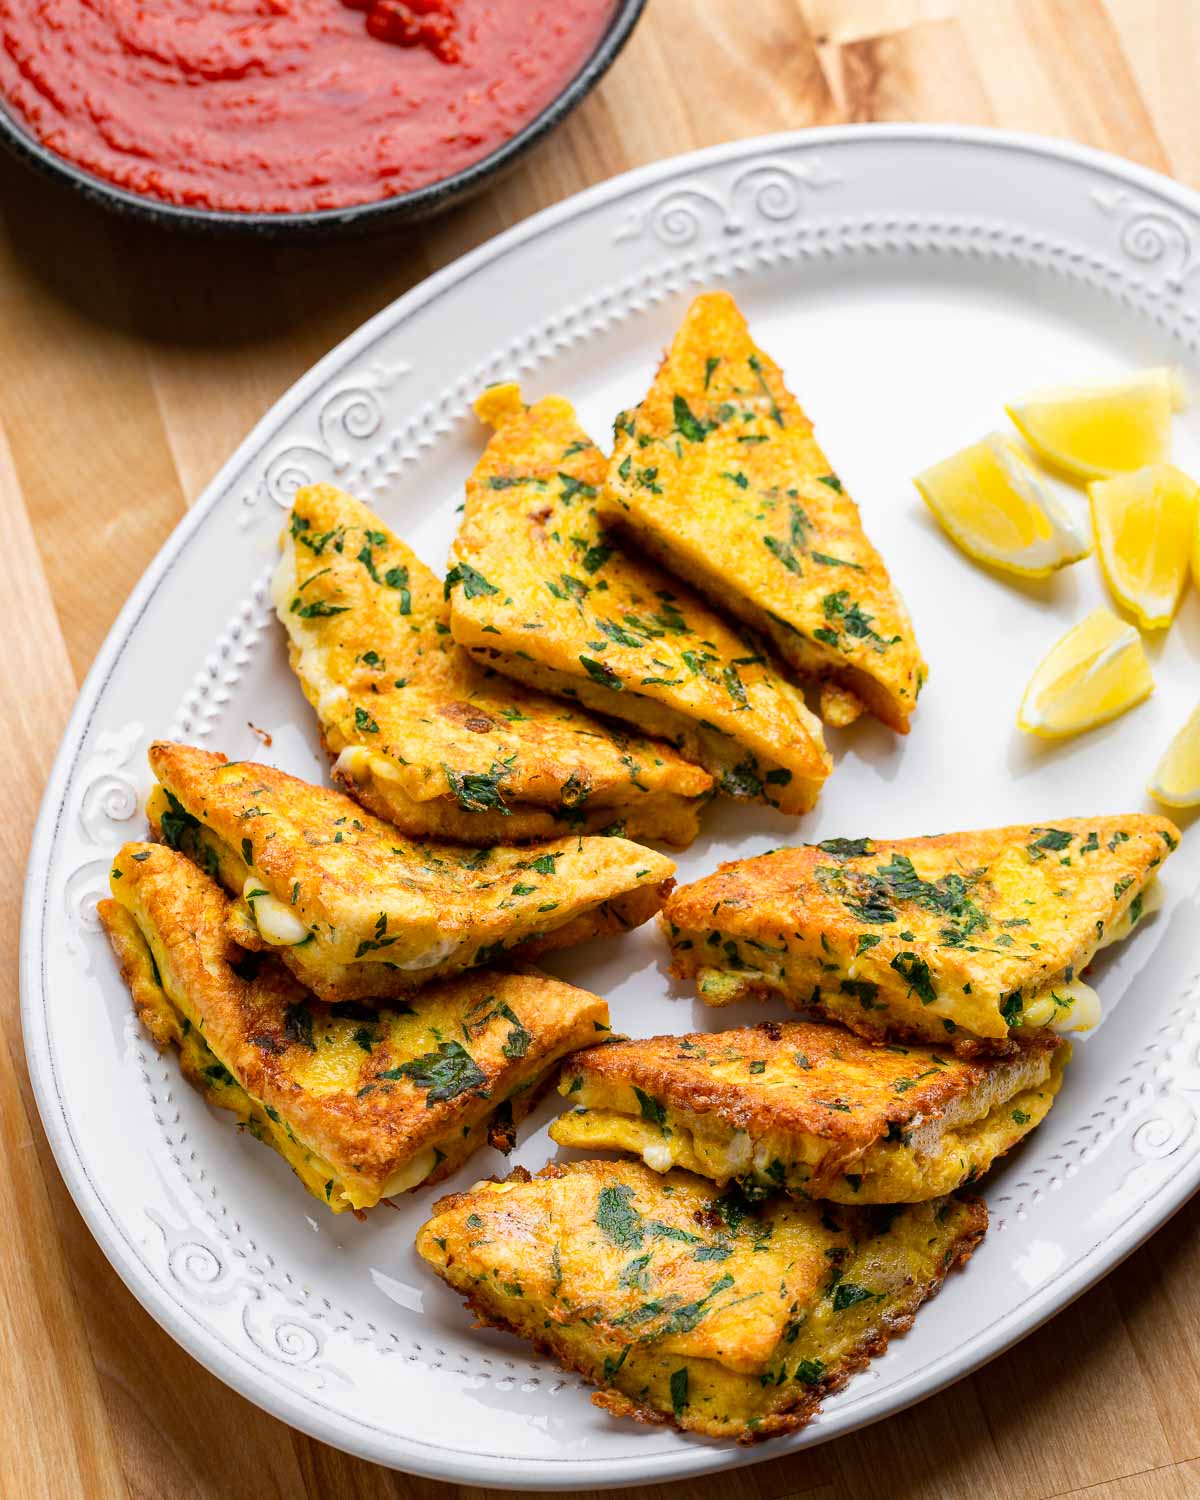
{"points": [[1176, 782], [994, 507], [1092, 432], [1097, 671], [1196, 553], [1145, 526]]}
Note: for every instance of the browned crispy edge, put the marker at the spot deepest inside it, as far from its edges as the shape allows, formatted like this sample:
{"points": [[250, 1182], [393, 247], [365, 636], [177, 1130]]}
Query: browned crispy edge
{"points": [[733, 1102], [808, 1401]]}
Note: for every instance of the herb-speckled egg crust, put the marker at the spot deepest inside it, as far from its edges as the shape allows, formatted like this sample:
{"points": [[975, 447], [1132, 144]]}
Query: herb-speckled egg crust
{"points": [[719, 475], [688, 1307], [362, 1103], [810, 1109], [542, 592], [428, 738], [358, 911], [952, 938]]}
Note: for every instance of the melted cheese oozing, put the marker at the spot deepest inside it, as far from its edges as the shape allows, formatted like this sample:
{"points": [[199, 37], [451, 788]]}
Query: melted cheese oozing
{"points": [[277, 924], [659, 1156], [1067, 1007], [439, 953], [1152, 899], [411, 1173], [1076, 1006], [331, 695], [361, 764]]}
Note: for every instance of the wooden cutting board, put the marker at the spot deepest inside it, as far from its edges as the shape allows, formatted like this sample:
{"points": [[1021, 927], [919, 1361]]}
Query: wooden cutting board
{"points": [[131, 365]]}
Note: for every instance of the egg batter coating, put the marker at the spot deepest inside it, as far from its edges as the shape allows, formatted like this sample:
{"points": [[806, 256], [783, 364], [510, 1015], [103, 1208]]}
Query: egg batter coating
{"points": [[688, 1307], [356, 910], [967, 938], [361, 1103], [432, 740], [539, 590], [742, 503], [808, 1109]]}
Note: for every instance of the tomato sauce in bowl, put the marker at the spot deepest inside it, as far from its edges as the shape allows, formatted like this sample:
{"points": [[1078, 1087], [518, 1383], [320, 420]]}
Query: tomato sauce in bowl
{"points": [[287, 106]]}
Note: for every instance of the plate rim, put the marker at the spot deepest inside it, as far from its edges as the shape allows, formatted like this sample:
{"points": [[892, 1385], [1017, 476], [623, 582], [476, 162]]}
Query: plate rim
{"points": [[432, 1461]]}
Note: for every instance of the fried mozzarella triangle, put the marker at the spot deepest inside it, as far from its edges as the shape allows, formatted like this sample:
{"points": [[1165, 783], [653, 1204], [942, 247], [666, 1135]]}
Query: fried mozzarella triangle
{"points": [[717, 473], [539, 590], [964, 937], [809, 1109], [361, 1104], [687, 1307], [430, 739], [358, 911]]}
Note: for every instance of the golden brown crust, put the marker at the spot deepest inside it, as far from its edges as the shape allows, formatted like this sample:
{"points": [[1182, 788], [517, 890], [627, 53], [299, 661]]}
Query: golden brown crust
{"points": [[331, 1073], [665, 819], [368, 625], [130, 948], [386, 915], [842, 1090], [683, 1310], [570, 610], [930, 938], [808, 1400], [747, 508]]}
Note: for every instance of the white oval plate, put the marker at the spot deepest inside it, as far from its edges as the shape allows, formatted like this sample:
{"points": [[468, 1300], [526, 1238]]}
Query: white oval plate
{"points": [[909, 281]]}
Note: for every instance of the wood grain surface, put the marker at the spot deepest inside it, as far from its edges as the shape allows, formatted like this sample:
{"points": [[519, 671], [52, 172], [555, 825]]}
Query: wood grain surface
{"points": [[132, 364]]}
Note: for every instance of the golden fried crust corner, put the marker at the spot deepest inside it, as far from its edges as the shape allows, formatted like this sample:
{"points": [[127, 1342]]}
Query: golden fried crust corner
{"points": [[330, 1074], [130, 950], [683, 1306], [805, 1405], [844, 1090], [409, 714], [358, 911], [941, 938], [570, 612], [744, 505]]}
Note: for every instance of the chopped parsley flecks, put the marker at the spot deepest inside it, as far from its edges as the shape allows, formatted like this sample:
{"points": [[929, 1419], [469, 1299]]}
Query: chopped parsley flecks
{"points": [[1049, 840], [846, 1294], [834, 562], [874, 896], [571, 487], [517, 1042], [443, 1074], [915, 971], [617, 1218], [596, 556], [848, 624], [743, 780], [688, 424], [397, 578], [757, 368], [317, 609], [474, 584], [847, 848], [514, 481], [652, 1110], [601, 673], [479, 791]]}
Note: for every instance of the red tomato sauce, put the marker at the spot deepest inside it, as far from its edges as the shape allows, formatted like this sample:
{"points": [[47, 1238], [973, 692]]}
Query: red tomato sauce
{"points": [[283, 106]]}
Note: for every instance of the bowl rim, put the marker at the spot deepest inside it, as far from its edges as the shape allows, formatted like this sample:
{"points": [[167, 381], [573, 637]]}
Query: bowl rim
{"points": [[419, 203]]}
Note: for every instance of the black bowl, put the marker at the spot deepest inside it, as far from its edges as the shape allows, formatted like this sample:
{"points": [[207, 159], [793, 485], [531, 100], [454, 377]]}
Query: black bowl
{"points": [[362, 218]]}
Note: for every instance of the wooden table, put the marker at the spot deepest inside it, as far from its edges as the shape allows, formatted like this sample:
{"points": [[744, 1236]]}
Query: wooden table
{"points": [[131, 365]]}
